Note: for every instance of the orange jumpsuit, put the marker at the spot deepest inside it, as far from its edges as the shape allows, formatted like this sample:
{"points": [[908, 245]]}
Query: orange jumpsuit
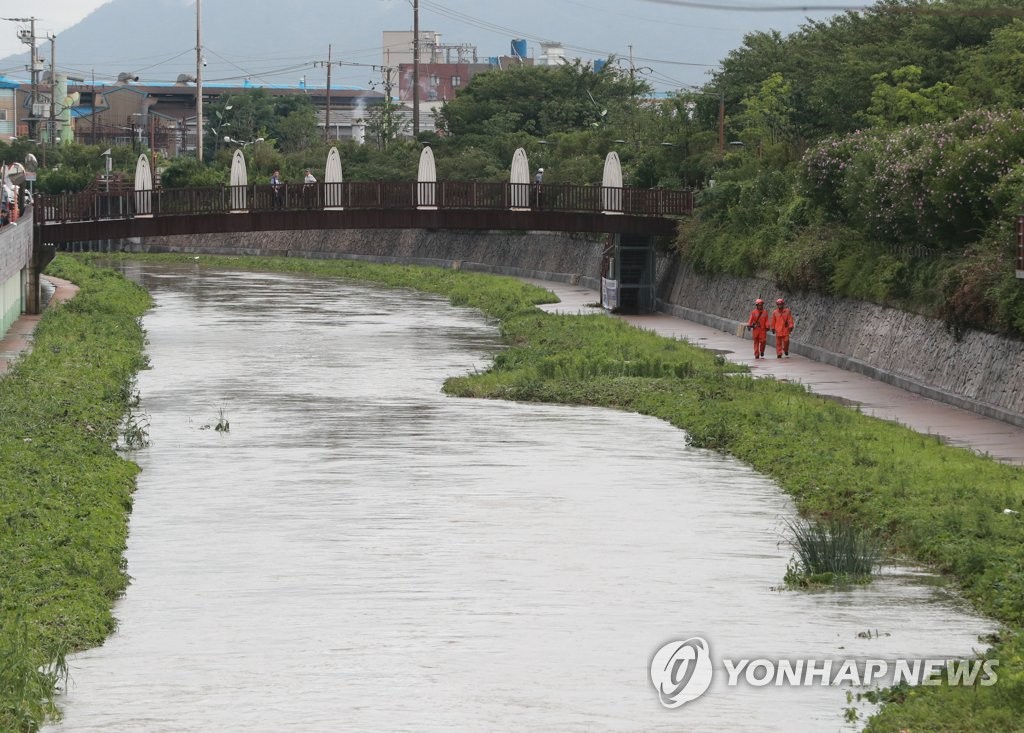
{"points": [[758, 323], [781, 325]]}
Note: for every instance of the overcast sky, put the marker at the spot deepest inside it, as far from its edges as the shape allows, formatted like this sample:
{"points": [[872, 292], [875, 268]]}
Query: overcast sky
{"points": [[53, 17], [674, 42]]}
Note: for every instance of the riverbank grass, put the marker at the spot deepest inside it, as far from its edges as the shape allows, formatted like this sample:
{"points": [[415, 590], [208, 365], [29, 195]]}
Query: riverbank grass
{"points": [[64, 491]]}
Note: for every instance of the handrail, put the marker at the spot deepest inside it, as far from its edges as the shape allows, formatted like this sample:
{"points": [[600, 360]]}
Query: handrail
{"points": [[398, 195]]}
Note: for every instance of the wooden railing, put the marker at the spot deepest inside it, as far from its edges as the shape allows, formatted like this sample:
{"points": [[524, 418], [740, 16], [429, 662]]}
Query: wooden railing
{"points": [[450, 195]]}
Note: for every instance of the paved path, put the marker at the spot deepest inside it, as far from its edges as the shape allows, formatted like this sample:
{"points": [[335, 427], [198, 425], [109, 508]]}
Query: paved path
{"points": [[1000, 440], [19, 336]]}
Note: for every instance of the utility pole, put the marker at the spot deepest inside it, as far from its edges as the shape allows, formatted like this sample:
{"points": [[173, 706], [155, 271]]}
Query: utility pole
{"points": [[199, 80], [388, 126], [327, 111], [327, 108], [53, 88], [92, 111], [33, 68], [415, 68], [721, 123]]}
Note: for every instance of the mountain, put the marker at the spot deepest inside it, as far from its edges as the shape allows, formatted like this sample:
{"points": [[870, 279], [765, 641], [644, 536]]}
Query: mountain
{"points": [[273, 42]]}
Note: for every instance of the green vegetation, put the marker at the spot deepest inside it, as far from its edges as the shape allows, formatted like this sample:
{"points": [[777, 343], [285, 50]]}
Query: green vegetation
{"points": [[830, 552], [64, 492], [878, 157]]}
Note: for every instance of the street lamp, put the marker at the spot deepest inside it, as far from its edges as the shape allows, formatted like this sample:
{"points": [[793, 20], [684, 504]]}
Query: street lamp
{"points": [[221, 124], [243, 143]]}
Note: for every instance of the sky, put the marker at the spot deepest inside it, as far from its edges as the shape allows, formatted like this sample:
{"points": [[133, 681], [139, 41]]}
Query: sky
{"points": [[674, 43], [54, 16]]}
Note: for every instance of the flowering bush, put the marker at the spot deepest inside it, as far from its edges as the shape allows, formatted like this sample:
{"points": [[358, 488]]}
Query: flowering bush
{"points": [[929, 184]]}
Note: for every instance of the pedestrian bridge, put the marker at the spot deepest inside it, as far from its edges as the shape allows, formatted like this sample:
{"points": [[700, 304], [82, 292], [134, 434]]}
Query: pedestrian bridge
{"points": [[426, 203], [472, 205], [631, 217]]}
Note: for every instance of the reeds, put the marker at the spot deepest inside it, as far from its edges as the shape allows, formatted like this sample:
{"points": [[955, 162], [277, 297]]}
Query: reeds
{"points": [[828, 551]]}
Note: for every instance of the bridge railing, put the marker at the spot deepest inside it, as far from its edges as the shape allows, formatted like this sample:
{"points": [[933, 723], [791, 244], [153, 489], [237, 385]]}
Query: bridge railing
{"points": [[366, 195]]}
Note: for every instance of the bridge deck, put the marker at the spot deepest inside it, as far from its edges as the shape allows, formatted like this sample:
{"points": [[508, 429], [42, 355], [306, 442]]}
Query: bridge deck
{"points": [[360, 205]]}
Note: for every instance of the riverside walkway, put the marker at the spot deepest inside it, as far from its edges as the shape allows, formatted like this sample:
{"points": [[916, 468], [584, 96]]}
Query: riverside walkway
{"points": [[19, 336], [1001, 441]]}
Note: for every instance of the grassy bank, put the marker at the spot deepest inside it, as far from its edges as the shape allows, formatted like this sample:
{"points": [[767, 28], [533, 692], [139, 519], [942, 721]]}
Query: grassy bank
{"points": [[940, 505], [64, 492]]}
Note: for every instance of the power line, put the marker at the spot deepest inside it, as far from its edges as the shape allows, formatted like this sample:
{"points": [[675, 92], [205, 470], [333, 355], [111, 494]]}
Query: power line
{"points": [[728, 7]]}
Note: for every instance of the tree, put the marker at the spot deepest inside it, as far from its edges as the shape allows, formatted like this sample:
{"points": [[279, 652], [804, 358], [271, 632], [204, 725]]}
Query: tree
{"points": [[384, 123], [540, 100], [993, 72], [766, 115], [298, 130], [900, 99]]}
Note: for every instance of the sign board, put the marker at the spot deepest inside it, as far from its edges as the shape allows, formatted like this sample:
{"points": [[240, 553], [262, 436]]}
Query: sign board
{"points": [[609, 293], [30, 176]]}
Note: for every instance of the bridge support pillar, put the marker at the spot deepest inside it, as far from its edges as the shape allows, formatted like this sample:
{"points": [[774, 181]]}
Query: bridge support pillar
{"points": [[633, 269], [42, 255]]}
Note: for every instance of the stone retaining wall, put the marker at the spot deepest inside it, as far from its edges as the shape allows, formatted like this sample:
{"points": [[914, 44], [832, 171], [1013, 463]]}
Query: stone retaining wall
{"points": [[981, 372], [541, 255]]}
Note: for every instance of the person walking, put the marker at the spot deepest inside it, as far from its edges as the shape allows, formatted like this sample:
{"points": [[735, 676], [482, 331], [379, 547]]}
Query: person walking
{"points": [[758, 325], [781, 325], [538, 195]]}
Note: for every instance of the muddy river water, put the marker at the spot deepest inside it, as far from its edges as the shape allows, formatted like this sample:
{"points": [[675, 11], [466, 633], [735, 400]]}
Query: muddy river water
{"points": [[359, 552]]}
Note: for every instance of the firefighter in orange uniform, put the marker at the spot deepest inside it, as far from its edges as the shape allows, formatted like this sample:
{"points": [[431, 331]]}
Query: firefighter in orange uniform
{"points": [[758, 325], [781, 324]]}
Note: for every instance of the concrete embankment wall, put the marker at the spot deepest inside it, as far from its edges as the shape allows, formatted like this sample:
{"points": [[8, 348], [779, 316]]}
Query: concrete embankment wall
{"points": [[981, 372], [15, 256], [541, 255]]}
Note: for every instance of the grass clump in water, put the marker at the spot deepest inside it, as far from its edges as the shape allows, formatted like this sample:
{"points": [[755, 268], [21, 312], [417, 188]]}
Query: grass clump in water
{"points": [[830, 552]]}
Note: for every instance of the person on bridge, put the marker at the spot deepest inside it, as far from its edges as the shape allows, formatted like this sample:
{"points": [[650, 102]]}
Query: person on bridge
{"points": [[309, 188], [538, 179], [782, 325], [758, 325], [275, 187]]}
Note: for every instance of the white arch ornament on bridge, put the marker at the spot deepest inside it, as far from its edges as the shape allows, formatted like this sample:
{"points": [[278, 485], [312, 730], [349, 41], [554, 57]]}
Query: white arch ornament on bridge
{"points": [[520, 180], [239, 183], [426, 181], [611, 184], [143, 188], [333, 190]]}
